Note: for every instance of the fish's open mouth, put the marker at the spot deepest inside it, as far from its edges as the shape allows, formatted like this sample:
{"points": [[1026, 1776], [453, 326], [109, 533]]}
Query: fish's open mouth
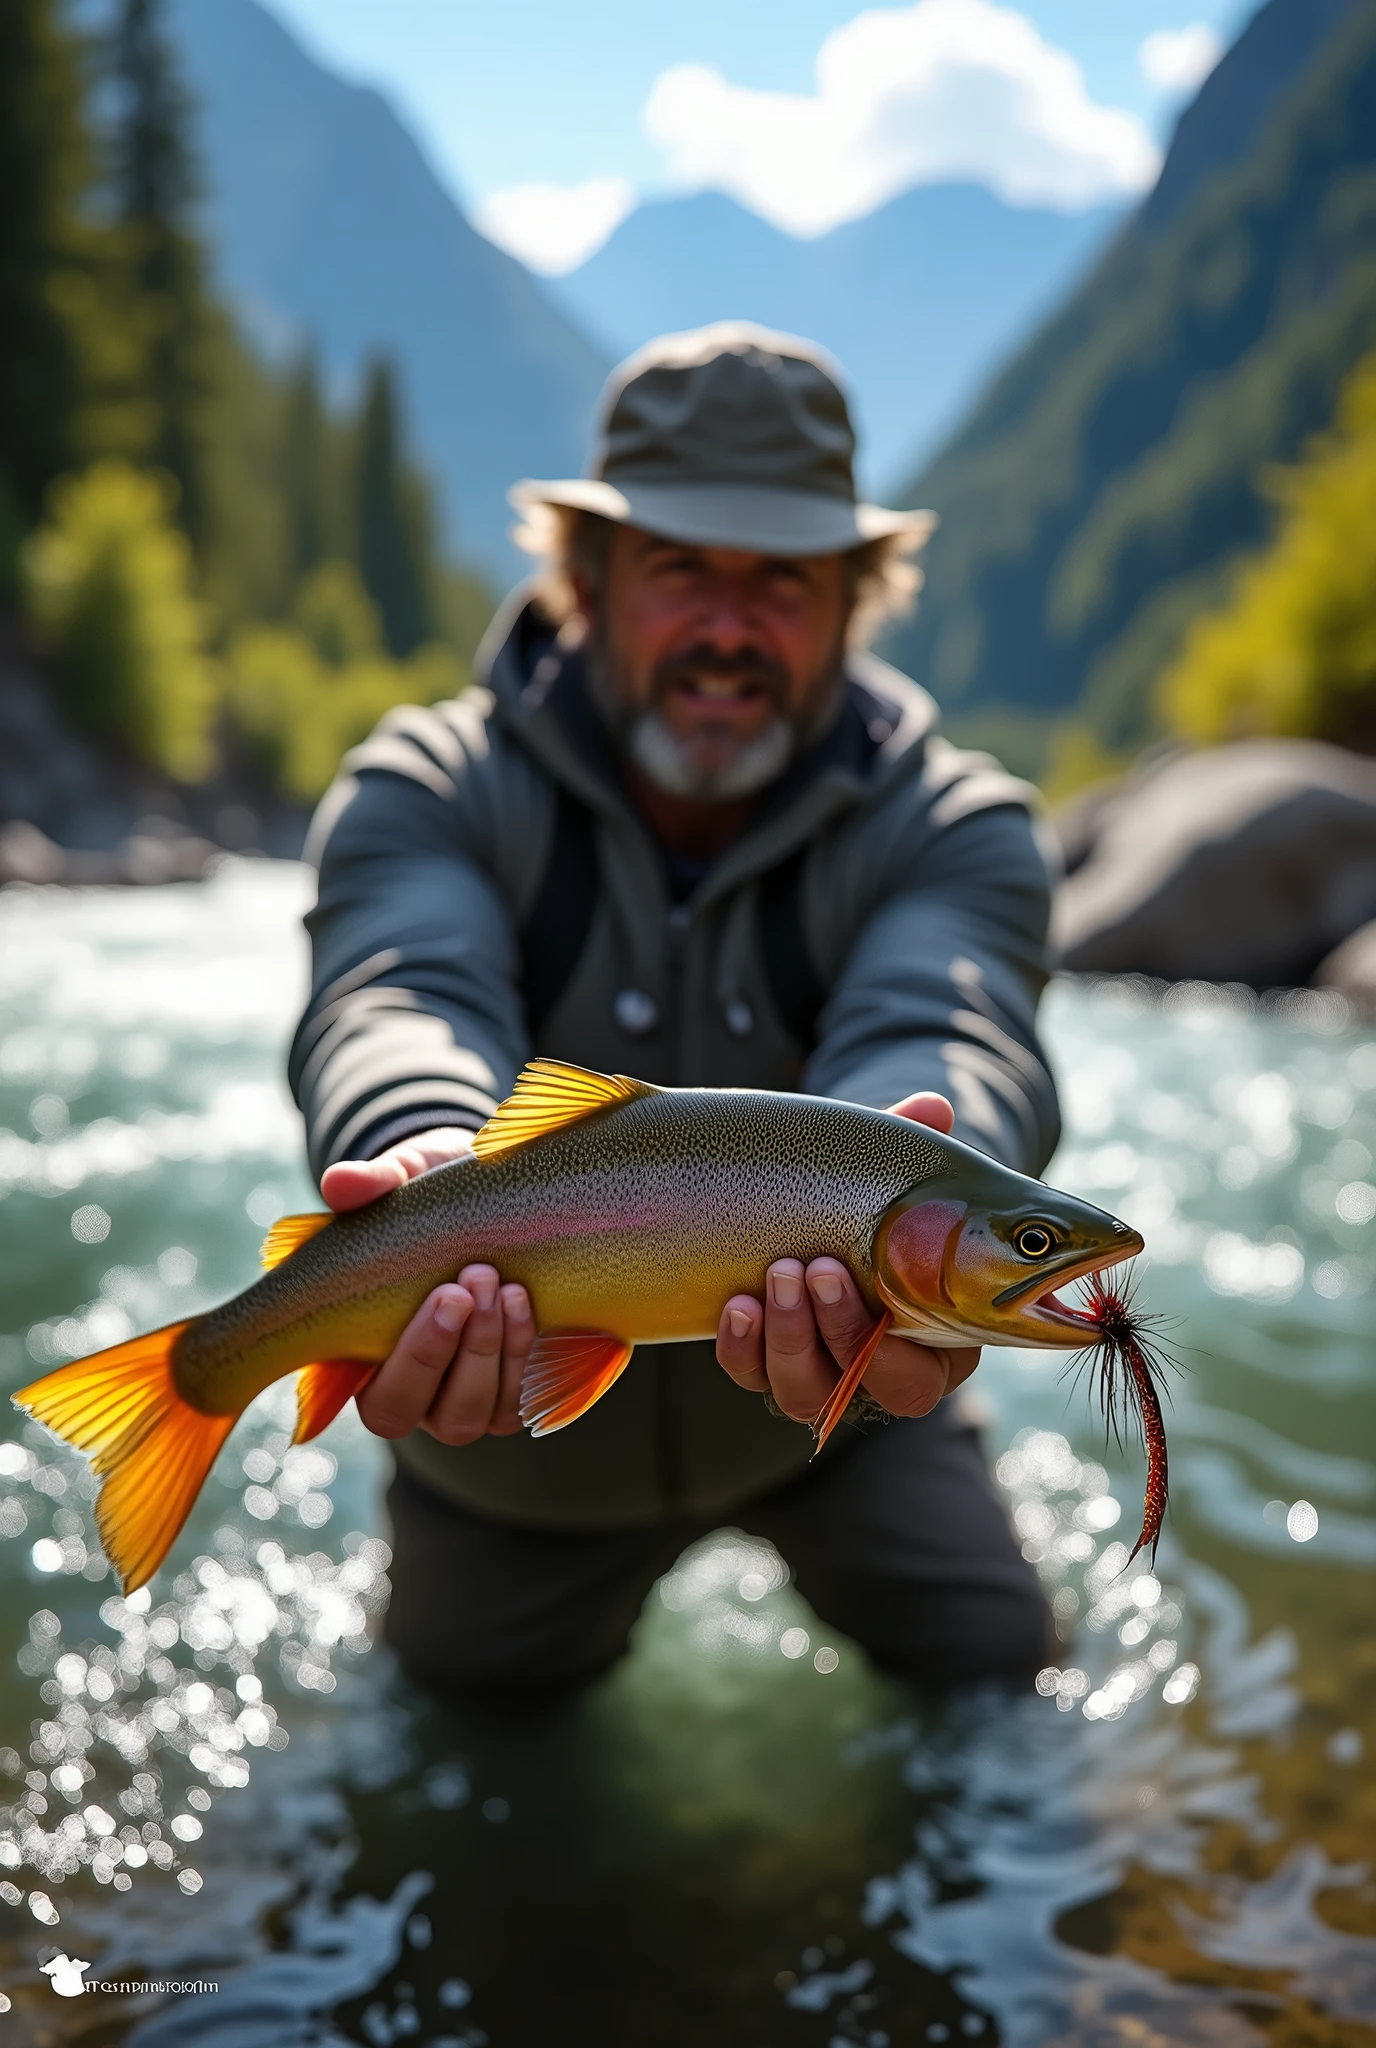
{"points": [[1050, 1304], [1047, 1305]]}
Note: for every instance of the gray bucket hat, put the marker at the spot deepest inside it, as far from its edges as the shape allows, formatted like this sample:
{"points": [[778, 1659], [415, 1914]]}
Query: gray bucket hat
{"points": [[728, 436]]}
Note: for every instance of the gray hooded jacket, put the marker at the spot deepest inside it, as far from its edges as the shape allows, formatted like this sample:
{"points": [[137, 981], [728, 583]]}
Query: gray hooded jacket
{"points": [[897, 879]]}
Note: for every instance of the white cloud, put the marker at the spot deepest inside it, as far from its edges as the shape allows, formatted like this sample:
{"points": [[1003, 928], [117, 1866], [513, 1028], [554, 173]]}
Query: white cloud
{"points": [[1179, 59], [937, 91], [554, 228]]}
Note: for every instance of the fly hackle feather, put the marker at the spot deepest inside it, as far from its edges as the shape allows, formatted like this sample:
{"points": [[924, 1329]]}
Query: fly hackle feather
{"points": [[1127, 1361]]}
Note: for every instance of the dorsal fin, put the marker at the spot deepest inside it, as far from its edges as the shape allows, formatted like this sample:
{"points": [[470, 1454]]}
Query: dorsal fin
{"points": [[547, 1097], [289, 1233]]}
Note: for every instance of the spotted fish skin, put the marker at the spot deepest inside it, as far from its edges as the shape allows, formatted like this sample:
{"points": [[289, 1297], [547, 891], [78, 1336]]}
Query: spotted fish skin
{"points": [[641, 1221]]}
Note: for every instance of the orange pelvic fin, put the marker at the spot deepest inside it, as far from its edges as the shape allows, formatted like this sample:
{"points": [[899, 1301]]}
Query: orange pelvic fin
{"points": [[567, 1372], [289, 1233], [152, 1448], [547, 1097], [322, 1390], [844, 1391]]}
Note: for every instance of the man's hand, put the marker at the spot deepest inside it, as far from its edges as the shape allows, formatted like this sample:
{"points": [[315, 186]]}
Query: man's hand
{"points": [[812, 1320], [456, 1368]]}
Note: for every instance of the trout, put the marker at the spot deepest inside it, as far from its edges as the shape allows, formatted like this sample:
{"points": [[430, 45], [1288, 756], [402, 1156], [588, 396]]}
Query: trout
{"points": [[631, 1213]]}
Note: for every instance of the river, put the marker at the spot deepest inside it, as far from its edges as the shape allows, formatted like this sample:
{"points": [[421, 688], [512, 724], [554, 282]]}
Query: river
{"points": [[743, 1835]]}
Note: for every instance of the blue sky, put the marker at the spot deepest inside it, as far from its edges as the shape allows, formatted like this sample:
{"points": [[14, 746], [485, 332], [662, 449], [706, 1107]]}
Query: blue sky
{"points": [[547, 118]]}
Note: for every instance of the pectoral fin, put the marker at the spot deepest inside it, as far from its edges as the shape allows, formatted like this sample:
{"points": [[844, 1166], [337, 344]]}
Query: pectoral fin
{"points": [[567, 1372], [844, 1390], [322, 1390]]}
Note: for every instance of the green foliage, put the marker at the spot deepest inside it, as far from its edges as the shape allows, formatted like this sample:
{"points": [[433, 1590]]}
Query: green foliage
{"points": [[299, 714], [301, 695], [1100, 492], [1077, 760], [337, 615], [256, 521], [12, 531], [395, 550], [319, 521], [464, 604], [1294, 651], [109, 586]]}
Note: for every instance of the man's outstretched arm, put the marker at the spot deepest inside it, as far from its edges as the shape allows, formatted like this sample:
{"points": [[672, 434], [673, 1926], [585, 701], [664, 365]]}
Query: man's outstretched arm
{"points": [[933, 1012]]}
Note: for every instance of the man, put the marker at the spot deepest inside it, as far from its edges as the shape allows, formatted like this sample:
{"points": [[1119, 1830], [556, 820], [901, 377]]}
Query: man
{"points": [[689, 830]]}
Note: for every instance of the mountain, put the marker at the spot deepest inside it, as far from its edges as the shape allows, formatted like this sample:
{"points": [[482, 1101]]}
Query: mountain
{"points": [[1097, 496], [1222, 124], [327, 223], [919, 300]]}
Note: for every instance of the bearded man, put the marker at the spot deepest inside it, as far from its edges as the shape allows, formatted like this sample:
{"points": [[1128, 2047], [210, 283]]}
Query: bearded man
{"points": [[685, 828]]}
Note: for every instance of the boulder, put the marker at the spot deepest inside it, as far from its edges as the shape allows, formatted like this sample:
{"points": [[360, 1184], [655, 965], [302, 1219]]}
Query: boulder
{"points": [[1247, 863], [1350, 969], [158, 852], [28, 855]]}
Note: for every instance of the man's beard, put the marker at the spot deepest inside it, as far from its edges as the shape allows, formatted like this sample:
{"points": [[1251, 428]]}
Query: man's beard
{"points": [[672, 762]]}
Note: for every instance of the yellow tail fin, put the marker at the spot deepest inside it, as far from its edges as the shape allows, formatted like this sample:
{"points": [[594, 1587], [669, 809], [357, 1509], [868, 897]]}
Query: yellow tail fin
{"points": [[152, 1448]]}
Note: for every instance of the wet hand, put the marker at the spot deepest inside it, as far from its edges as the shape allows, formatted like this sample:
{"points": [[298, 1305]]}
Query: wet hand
{"points": [[351, 1183], [456, 1368], [813, 1319]]}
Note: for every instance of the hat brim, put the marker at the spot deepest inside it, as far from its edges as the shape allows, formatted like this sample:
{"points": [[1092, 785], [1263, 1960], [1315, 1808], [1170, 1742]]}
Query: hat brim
{"points": [[743, 516]]}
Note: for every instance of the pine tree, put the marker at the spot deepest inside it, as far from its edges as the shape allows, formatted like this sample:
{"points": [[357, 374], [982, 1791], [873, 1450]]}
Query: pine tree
{"points": [[395, 550], [154, 187], [46, 280], [312, 504]]}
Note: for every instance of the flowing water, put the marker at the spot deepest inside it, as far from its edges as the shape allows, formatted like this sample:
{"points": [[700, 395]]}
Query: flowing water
{"points": [[743, 1835]]}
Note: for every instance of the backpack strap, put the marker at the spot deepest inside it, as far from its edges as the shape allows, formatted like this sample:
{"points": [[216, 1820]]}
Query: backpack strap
{"points": [[795, 987], [556, 929]]}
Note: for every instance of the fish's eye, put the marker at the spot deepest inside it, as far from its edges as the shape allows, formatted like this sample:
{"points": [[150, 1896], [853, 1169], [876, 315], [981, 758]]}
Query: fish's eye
{"points": [[1034, 1240]]}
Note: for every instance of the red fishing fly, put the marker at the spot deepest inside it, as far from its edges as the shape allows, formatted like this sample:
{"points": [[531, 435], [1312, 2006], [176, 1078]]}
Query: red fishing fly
{"points": [[1128, 1358]]}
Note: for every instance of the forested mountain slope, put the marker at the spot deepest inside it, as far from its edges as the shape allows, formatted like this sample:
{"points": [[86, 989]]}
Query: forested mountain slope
{"points": [[327, 225], [1099, 492]]}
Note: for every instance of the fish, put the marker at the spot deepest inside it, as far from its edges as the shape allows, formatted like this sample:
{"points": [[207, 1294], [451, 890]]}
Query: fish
{"points": [[631, 1213]]}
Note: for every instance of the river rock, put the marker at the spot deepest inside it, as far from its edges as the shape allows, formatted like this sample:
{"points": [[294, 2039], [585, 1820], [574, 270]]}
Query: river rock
{"points": [[1247, 863], [1350, 969]]}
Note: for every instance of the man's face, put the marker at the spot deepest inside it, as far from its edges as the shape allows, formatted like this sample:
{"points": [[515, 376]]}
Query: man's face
{"points": [[715, 666]]}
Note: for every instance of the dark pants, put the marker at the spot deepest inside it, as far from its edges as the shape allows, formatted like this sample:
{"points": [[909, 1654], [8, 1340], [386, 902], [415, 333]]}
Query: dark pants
{"points": [[899, 1540]]}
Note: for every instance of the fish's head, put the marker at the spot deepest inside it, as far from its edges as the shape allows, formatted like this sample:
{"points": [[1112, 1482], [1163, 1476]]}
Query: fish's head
{"points": [[977, 1256]]}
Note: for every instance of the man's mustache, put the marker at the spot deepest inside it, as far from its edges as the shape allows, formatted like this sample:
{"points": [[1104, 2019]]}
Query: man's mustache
{"points": [[747, 666]]}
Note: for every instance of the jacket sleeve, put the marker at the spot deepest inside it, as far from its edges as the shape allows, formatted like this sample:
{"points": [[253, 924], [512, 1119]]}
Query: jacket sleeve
{"points": [[415, 1017], [939, 989]]}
